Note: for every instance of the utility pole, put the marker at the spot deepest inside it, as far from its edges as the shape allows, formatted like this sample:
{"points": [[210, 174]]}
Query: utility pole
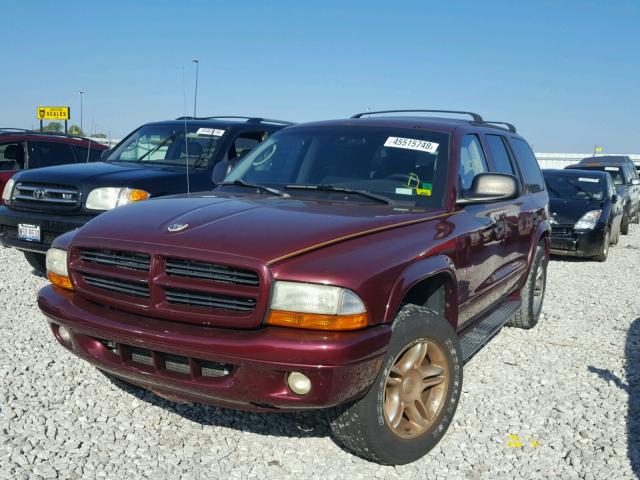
{"points": [[81, 95], [195, 97]]}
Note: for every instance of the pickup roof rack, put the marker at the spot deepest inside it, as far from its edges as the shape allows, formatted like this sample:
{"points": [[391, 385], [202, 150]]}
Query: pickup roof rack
{"points": [[14, 131], [248, 119]]}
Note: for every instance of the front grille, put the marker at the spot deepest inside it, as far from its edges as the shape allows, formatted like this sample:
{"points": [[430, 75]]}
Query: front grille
{"points": [[45, 194], [210, 300], [561, 230], [161, 361], [119, 286], [128, 260], [211, 271]]}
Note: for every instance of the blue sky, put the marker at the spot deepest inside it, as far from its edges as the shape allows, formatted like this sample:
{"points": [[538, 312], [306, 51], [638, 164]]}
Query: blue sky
{"points": [[567, 73]]}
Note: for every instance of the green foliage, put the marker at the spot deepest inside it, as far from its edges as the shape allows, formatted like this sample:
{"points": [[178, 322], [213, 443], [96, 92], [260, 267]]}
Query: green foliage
{"points": [[75, 130], [52, 127]]}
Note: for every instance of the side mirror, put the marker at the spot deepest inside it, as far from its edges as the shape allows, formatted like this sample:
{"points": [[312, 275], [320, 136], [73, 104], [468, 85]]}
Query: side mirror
{"points": [[614, 198], [635, 181], [490, 187], [105, 154]]}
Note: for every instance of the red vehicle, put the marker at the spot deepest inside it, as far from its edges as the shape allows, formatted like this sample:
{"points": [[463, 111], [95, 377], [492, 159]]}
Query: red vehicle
{"points": [[25, 149], [350, 265]]}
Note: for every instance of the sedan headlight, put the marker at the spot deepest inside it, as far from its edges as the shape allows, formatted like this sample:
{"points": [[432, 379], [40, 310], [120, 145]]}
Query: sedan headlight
{"points": [[318, 307], [588, 220], [8, 190], [57, 268], [107, 198]]}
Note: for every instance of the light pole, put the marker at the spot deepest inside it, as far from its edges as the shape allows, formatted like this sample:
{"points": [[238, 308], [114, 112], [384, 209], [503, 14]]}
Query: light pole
{"points": [[81, 95], [195, 96]]}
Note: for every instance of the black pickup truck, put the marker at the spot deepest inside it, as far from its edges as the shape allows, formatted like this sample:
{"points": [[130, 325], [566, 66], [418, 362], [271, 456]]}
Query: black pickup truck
{"points": [[152, 161]]}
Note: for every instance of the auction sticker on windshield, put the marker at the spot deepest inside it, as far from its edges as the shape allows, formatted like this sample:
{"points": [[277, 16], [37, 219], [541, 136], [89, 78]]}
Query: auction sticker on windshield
{"points": [[611, 169], [214, 132], [586, 179], [412, 144]]}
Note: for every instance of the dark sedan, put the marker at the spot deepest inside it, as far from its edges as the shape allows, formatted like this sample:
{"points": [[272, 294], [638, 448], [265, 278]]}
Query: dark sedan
{"points": [[585, 212]]}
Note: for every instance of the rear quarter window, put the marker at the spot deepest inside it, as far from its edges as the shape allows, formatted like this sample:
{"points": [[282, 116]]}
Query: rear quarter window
{"points": [[533, 180]]}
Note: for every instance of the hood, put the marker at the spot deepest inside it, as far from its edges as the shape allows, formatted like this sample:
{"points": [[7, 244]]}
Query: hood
{"points": [[87, 176], [265, 229], [568, 212]]}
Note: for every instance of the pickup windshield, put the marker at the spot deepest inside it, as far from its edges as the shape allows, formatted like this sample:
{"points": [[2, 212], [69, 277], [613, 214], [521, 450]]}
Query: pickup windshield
{"points": [[357, 163], [167, 145]]}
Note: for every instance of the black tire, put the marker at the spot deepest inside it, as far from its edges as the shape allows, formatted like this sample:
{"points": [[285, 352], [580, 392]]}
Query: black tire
{"points": [[604, 249], [529, 314], [624, 225], [361, 427], [37, 261]]}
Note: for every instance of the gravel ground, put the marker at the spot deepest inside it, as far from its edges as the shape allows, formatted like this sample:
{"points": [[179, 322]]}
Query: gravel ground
{"points": [[559, 401]]}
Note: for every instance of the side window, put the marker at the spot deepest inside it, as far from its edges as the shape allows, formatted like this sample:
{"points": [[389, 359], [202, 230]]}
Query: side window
{"points": [[499, 154], [12, 156], [81, 154], [472, 160], [528, 165], [47, 154], [244, 143]]}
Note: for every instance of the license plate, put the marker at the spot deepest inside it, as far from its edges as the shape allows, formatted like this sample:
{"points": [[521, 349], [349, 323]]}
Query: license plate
{"points": [[28, 232]]}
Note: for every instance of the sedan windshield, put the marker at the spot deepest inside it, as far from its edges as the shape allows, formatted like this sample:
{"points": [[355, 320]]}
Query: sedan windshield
{"points": [[167, 145], [364, 164], [575, 187]]}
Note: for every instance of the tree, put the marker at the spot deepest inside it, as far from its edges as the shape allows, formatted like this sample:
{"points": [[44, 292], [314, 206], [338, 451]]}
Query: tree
{"points": [[52, 127], [99, 135], [75, 130]]}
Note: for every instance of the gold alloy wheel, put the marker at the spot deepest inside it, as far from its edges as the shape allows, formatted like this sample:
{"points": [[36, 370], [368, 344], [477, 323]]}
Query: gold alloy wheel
{"points": [[415, 389]]}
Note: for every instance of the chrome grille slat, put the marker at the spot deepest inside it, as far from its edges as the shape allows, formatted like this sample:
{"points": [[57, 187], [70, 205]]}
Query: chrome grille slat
{"points": [[128, 260], [50, 194], [211, 271], [119, 286], [211, 300]]}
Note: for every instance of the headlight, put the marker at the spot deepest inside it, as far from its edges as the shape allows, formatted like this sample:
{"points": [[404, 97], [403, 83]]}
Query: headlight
{"points": [[588, 220], [107, 198], [8, 190], [57, 268], [318, 307]]}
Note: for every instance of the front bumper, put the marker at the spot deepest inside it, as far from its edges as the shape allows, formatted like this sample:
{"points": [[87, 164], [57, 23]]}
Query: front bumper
{"points": [[577, 243], [341, 365], [51, 226]]}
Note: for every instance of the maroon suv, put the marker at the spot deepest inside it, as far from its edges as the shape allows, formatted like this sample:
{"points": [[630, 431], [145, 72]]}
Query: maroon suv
{"points": [[350, 265]]}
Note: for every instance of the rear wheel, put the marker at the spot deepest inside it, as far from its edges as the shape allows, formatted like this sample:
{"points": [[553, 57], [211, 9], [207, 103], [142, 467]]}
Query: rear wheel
{"points": [[532, 293], [37, 261], [414, 397], [604, 249], [624, 225]]}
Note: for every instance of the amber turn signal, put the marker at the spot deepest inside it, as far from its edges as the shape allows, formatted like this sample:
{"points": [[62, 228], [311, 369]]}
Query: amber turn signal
{"points": [[137, 195], [315, 321], [60, 280]]}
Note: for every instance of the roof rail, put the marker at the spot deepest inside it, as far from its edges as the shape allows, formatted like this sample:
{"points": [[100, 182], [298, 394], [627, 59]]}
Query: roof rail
{"points": [[9, 131], [248, 119], [509, 126], [476, 118]]}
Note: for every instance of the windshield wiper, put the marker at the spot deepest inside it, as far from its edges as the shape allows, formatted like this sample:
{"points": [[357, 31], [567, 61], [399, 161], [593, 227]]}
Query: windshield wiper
{"points": [[242, 183], [331, 188], [160, 145]]}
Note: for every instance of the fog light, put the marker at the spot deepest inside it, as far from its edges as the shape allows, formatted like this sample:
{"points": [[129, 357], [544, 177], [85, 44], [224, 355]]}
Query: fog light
{"points": [[299, 383], [65, 334]]}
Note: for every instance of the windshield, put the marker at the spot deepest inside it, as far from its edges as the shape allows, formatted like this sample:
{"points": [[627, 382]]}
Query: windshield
{"points": [[571, 187], [615, 172], [165, 145], [402, 165]]}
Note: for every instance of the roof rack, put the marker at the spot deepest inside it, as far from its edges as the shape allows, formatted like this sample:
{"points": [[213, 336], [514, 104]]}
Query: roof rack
{"points": [[509, 126], [476, 118], [10, 131], [248, 119]]}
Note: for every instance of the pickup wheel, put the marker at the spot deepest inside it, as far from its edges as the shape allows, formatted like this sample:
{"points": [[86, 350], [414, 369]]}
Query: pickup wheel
{"points": [[624, 225], [532, 293], [37, 261], [413, 399]]}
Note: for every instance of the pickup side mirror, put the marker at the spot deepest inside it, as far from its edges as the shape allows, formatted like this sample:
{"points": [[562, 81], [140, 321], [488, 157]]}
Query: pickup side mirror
{"points": [[614, 198], [635, 181], [105, 154], [490, 187]]}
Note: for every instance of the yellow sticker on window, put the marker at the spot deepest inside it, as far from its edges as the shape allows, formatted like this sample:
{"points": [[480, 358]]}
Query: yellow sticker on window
{"points": [[425, 189]]}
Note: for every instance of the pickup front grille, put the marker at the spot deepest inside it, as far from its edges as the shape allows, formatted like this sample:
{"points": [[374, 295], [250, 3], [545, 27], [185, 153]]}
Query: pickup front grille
{"points": [[119, 286], [35, 195], [211, 271], [209, 300], [128, 260]]}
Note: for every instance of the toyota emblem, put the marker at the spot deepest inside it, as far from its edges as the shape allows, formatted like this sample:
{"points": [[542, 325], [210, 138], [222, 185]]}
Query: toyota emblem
{"points": [[39, 194]]}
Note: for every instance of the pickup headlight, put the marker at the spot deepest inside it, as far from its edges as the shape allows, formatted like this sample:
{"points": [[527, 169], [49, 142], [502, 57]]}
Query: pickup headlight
{"points": [[588, 220], [8, 190], [108, 198], [317, 307], [57, 268]]}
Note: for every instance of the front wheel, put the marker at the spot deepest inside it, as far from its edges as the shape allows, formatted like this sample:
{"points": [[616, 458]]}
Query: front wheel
{"points": [[411, 404], [604, 249], [37, 261]]}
